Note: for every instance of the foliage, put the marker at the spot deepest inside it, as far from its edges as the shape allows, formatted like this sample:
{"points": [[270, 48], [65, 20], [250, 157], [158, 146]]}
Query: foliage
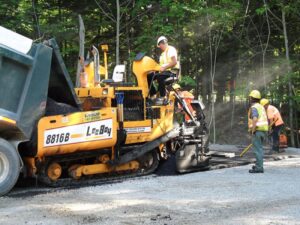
{"points": [[240, 28], [187, 81]]}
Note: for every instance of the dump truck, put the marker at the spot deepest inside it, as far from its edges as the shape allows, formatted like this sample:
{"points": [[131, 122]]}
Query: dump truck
{"points": [[61, 135]]}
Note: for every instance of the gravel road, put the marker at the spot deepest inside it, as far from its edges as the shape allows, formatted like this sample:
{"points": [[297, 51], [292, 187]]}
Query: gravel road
{"points": [[227, 196]]}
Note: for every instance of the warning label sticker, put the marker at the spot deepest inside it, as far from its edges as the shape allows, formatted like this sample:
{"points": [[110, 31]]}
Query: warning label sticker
{"points": [[133, 130]]}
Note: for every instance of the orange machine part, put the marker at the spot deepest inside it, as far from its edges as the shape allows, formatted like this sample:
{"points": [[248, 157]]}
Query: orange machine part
{"points": [[77, 171], [54, 171]]}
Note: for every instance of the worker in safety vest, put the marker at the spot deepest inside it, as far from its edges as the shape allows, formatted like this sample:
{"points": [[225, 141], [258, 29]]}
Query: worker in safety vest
{"points": [[258, 128], [275, 120], [169, 67], [187, 97]]}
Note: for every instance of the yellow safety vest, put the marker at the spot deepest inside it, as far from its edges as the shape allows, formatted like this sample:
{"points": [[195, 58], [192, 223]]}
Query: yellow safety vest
{"points": [[262, 121], [165, 59]]}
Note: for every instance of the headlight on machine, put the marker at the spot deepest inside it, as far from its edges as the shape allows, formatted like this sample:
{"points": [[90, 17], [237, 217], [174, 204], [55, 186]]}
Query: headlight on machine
{"points": [[105, 91]]}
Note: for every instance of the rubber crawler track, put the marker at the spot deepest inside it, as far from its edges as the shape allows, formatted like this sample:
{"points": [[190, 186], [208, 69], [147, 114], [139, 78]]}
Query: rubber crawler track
{"points": [[97, 179]]}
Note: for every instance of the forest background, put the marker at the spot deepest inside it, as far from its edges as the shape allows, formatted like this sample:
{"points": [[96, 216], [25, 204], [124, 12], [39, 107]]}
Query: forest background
{"points": [[226, 47]]}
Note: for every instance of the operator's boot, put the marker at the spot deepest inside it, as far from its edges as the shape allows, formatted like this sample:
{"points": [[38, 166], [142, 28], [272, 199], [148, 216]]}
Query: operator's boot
{"points": [[277, 149], [161, 101], [256, 170]]}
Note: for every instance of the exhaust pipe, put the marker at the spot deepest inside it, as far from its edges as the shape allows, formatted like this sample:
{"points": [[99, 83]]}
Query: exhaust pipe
{"points": [[96, 66]]}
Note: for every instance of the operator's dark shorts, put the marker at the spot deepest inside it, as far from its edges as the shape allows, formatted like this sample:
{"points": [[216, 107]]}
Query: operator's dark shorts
{"points": [[160, 77]]}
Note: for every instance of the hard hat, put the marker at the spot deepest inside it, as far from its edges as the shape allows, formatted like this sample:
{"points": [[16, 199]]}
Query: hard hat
{"points": [[161, 38], [176, 86], [264, 101], [255, 94]]}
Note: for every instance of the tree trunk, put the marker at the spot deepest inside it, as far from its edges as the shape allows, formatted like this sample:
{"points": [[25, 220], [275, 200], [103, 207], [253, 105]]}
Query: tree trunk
{"points": [[265, 49], [286, 42], [36, 18], [118, 33], [220, 91], [232, 99], [128, 37], [211, 100]]}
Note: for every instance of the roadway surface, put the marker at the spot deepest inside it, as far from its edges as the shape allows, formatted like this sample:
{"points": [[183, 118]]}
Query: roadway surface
{"points": [[219, 196]]}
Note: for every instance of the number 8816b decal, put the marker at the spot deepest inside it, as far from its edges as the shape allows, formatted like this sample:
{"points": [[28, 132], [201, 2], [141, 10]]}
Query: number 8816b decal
{"points": [[84, 132], [57, 138]]}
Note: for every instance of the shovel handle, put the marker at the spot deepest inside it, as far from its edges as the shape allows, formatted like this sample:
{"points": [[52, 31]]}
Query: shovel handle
{"points": [[245, 150]]}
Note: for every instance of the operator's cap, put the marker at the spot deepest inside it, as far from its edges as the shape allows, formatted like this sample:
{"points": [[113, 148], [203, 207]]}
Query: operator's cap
{"points": [[176, 86], [264, 101], [161, 38], [255, 94]]}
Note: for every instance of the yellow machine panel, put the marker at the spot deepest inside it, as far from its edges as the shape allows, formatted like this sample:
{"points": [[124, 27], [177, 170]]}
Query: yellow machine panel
{"points": [[89, 69], [75, 132], [148, 130], [141, 69]]}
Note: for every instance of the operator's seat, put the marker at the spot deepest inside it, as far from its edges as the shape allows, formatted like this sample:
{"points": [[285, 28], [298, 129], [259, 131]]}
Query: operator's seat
{"points": [[117, 77], [118, 73]]}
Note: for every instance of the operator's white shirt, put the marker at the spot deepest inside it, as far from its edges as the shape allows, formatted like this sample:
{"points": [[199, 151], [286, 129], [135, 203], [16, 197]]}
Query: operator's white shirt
{"points": [[170, 51]]}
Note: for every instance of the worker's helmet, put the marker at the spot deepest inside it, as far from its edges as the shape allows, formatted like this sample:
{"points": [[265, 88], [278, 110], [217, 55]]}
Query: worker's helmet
{"points": [[176, 86], [264, 101], [161, 38], [255, 94]]}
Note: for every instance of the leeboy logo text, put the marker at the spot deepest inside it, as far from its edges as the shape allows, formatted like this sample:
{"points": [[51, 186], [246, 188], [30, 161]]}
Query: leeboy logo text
{"points": [[98, 130]]}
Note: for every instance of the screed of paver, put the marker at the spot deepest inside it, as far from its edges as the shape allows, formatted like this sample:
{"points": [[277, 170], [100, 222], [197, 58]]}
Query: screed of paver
{"points": [[228, 196]]}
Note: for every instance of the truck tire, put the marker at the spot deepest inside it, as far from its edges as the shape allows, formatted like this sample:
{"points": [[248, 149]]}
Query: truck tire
{"points": [[9, 166]]}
